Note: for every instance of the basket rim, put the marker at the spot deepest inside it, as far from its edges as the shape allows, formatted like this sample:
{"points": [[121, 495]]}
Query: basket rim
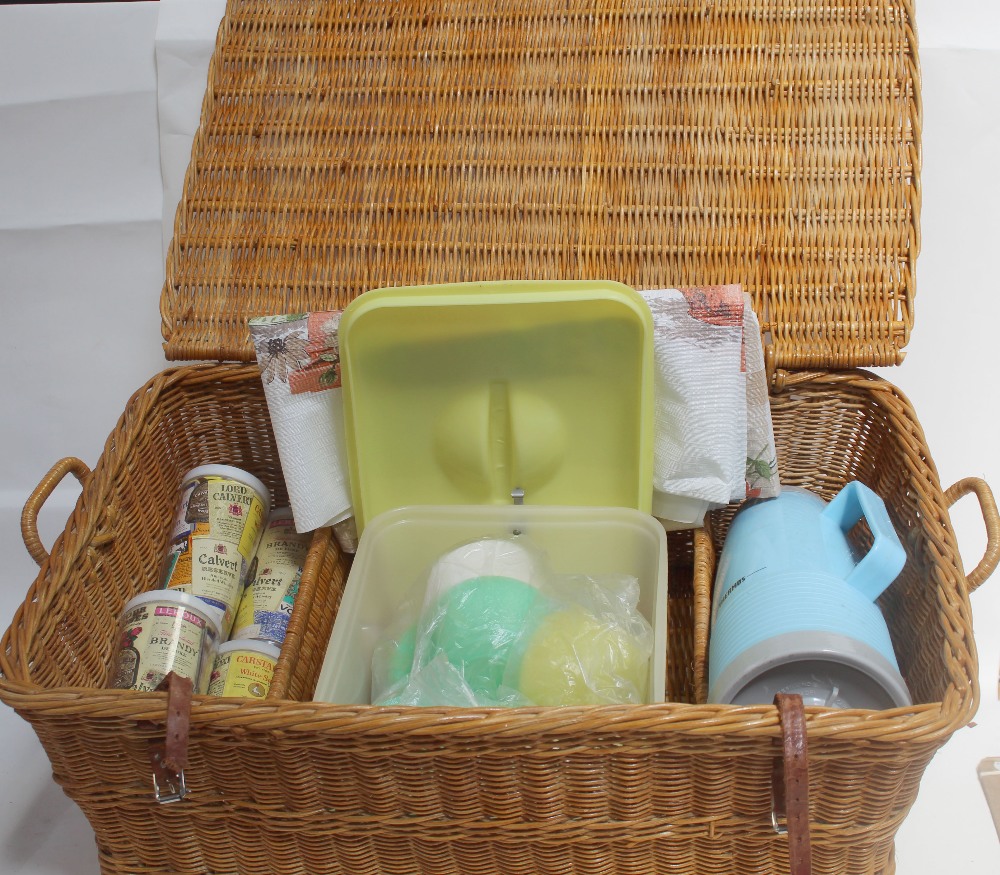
{"points": [[918, 723], [929, 722]]}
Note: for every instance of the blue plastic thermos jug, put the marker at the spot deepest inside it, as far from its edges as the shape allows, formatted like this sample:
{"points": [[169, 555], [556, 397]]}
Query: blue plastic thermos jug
{"points": [[794, 610]]}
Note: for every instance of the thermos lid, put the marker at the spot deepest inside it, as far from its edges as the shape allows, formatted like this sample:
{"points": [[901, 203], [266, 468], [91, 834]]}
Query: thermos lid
{"points": [[827, 670]]}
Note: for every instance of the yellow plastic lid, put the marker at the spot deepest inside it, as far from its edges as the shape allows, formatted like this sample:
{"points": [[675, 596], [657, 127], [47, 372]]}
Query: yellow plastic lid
{"points": [[497, 393]]}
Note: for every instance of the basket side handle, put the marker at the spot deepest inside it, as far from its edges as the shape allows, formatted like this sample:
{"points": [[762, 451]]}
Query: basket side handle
{"points": [[991, 517], [38, 497]]}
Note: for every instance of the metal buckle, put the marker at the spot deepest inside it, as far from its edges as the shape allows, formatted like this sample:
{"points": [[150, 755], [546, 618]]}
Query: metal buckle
{"points": [[168, 785], [777, 827]]}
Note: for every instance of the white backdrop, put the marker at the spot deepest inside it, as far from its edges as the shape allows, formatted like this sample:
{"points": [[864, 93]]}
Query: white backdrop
{"points": [[81, 265]]}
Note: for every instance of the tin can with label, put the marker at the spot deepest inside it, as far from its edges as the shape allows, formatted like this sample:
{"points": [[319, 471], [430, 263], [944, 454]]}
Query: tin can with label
{"points": [[266, 605], [219, 520], [164, 631], [243, 669]]}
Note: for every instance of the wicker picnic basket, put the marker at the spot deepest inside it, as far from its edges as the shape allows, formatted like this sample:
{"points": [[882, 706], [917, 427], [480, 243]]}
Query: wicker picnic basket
{"points": [[346, 146]]}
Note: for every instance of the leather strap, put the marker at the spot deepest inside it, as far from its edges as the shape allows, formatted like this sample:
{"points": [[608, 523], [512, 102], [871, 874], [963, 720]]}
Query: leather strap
{"points": [[790, 782], [179, 692], [170, 758]]}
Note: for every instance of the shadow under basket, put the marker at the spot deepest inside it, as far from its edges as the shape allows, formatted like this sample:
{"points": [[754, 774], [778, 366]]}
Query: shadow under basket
{"points": [[287, 785]]}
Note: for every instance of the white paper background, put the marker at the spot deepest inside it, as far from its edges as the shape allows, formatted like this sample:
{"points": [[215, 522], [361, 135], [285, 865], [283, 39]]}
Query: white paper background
{"points": [[185, 38], [81, 264]]}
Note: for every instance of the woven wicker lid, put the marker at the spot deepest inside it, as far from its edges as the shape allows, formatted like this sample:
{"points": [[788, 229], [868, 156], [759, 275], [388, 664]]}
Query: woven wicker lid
{"points": [[350, 146]]}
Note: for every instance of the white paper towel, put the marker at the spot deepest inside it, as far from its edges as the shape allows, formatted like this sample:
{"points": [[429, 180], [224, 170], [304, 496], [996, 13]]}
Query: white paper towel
{"points": [[299, 360], [709, 370]]}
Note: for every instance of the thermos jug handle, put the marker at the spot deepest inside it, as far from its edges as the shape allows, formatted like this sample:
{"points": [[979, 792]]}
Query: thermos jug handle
{"points": [[883, 562]]}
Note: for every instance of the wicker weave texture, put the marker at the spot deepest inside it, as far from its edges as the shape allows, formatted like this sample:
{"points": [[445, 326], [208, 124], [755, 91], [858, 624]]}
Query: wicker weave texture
{"points": [[346, 146], [350, 145], [289, 785], [115, 539]]}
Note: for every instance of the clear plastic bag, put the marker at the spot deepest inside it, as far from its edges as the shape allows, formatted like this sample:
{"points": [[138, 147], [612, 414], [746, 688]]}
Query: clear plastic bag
{"points": [[472, 637], [592, 648]]}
